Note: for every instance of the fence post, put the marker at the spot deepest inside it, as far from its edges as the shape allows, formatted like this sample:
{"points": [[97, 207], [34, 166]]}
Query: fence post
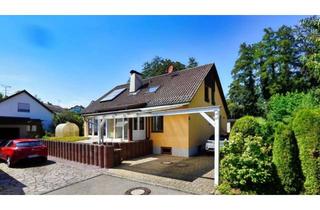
{"points": [[95, 155], [101, 158], [72, 151], [91, 155], [87, 153], [105, 156], [67, 150], [81, 153], [110, 156], [59, 149]]}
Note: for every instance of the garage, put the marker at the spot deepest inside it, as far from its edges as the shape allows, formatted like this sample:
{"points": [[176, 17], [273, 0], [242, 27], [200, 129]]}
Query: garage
{"points": [[19, 127], [9, 133]]}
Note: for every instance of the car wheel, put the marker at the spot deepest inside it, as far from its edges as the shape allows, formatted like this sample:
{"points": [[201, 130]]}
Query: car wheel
{"points": [[9, 162]]}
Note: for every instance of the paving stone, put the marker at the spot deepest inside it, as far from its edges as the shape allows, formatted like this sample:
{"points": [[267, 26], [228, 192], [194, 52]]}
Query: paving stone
{"points": [[37, 179]]}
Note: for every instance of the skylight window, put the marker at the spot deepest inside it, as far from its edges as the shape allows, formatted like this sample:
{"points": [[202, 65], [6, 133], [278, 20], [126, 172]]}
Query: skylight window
{"points": [[153, 89], [113, 94]]}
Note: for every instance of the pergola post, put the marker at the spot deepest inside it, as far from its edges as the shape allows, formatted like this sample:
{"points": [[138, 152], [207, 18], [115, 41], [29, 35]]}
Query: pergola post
{"points": [[101, 123], [216, 146]]}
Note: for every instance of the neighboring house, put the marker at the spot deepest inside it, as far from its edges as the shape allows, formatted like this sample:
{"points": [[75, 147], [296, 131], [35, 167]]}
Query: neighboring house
{"points": [[55, 108], [78, 109], [23, 115], [180, 135]]}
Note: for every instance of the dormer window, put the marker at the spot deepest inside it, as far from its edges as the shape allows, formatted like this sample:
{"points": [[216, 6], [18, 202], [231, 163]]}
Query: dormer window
{"points": [[153, 89]]}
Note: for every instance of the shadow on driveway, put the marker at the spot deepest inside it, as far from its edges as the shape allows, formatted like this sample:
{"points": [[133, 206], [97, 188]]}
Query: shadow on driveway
{"points": [[186, 169], [33, 163]]}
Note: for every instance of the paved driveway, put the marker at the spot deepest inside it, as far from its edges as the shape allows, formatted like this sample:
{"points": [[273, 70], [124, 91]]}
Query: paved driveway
{"points": [[35, 178], [60, 176], [110, 185]]}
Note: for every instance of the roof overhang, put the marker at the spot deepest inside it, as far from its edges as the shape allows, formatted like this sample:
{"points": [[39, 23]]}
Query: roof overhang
{"points": [[134, 112], [155, 111]]}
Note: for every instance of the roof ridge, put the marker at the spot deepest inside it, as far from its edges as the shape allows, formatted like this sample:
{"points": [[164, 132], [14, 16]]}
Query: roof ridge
{"points": [[183, 70], [149, 78]]}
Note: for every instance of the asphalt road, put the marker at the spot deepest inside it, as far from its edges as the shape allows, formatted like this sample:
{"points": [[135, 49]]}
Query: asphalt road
{"points": [[110, 185]]}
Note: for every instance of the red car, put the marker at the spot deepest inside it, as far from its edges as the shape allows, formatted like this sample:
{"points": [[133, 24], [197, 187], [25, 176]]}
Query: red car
{"points": [[15, 150]]}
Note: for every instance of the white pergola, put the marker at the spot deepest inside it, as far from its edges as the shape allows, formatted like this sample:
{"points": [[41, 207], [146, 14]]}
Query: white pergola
{"points": [[149, 112]]}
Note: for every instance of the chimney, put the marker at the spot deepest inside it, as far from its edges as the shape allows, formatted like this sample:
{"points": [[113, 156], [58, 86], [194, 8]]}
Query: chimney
{"points": [[135, 81], [170, 69]]}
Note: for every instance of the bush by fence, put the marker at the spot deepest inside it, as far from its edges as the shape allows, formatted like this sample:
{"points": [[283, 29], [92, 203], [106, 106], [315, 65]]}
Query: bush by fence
{"points": [[306, 126], [285, 156]]}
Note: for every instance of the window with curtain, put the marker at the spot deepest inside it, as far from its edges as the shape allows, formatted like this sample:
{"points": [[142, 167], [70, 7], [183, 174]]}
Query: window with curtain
{"points": [[119, 123], [95, 127], [110, 128], [23, 107], [141, 126], [90, 121], [157, 124], [125, 127]]}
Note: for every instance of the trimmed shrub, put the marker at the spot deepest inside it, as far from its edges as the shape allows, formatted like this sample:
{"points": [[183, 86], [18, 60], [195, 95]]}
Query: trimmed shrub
{"points": [[246, 125], [306, 126], [66, 139], [285, 156], [246, 163]]}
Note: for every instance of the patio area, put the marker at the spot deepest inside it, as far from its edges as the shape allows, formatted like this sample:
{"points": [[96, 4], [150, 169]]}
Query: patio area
{"points": [[193, 174], [186, 169]]}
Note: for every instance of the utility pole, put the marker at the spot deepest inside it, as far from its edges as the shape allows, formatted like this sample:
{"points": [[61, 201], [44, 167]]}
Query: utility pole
{"points": [[6, 87]]}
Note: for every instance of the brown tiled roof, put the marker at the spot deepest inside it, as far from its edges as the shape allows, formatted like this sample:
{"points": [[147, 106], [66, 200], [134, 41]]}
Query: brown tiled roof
{"points": [[55, 108], [175, 88]]}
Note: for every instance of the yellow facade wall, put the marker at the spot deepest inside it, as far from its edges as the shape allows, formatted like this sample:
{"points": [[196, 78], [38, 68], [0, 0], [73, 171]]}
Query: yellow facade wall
{"points": [[175, 133], [199, 128], [223, 112], [189, 131]]}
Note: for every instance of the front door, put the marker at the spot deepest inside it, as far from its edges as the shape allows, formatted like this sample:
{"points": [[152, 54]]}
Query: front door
{"points": [[139, 129]]}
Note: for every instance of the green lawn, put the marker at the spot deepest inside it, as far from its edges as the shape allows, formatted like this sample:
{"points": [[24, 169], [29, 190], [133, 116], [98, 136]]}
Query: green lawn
{"points": [[66, 139]]}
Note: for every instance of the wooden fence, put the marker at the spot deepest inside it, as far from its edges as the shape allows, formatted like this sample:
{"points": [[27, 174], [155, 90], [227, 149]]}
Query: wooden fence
{"points": [[104, 156], [134, 149]]}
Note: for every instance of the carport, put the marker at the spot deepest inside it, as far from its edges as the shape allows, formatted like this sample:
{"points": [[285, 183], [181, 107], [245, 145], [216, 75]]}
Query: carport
{"points": [[147, 112], [18, 127]]}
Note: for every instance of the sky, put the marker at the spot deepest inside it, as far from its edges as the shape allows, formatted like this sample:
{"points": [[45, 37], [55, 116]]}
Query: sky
{"points": [[72, 60]]}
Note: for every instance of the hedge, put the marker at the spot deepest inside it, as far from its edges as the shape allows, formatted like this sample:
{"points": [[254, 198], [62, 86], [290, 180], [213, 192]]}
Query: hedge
{"points": [[306, 126], [285, 156], [66, 139]]}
